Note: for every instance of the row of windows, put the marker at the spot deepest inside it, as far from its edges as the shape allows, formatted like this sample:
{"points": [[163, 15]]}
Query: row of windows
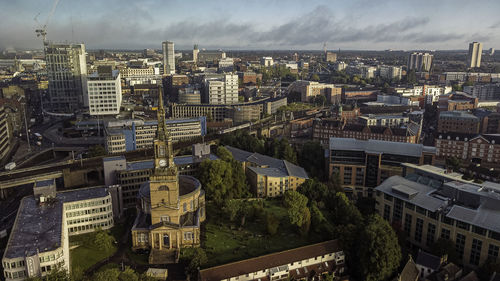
{"points": [[11, 265], [15, 275], [86, 212], [87, 219], [86, 204], [90, 226]]}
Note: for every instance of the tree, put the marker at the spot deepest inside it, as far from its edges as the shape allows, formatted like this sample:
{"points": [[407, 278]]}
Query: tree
{"points": [[272, 223], [97, 150], [56, 274], [314, 77], [314, 190], [306, 222], [343, 210], [317, 218], [102, 240], [295, 204], [312, 157], [232, 209], [445, 247], [378, 252], [198, 259], [217, 178], [453, 163], [224, 154], [334, 183]]}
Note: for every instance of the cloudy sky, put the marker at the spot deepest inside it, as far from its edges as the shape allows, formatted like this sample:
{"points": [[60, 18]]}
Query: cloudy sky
{"points": [[255, 24]]}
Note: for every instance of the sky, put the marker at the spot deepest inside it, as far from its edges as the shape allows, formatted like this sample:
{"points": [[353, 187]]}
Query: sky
{"points": [[254, 24]]}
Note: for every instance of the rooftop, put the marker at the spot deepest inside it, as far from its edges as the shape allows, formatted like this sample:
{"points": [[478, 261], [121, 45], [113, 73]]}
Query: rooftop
{"points": [[38, 228], [380, 147]]}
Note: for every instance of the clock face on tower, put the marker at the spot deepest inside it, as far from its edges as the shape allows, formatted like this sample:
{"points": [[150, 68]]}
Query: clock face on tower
{"points": [[162, 162]]}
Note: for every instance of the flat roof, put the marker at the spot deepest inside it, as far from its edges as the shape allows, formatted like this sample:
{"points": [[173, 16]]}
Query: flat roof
{"points": [[379, 146], [38, 228], [45, 183]]}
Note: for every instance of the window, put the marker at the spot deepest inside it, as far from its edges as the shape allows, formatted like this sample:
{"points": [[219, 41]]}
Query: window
{"points": [[421, 210], [445, 233], [493, 252], [418, 230], [408, 222], [431, 232], [460, 244], [165, 218], [387, 212], [475, 252], [463, 225]]}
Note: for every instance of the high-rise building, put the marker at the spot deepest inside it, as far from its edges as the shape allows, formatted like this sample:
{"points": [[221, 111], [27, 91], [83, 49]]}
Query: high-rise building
{"points": [[4, 134], [420, 61], [67, 75], [221, 89], [474, 55], [330, 57], [196, 51], [104, 91], [492, 51], [168, 58]]}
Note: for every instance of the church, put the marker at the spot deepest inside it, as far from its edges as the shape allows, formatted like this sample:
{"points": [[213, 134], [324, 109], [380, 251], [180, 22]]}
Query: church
{"points": [[170, 207]]}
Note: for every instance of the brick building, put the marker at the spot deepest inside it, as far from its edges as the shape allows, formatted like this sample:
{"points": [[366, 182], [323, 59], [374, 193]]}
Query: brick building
{"points": [[481, 149], [458, 122]]}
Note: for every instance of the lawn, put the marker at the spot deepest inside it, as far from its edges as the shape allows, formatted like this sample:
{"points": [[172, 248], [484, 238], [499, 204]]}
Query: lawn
{"points": [[87, 254], [226, 242]]}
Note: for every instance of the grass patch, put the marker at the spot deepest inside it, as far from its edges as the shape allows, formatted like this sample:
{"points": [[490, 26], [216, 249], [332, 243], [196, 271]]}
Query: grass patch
{"points": [[225, 241], [87, 254]]}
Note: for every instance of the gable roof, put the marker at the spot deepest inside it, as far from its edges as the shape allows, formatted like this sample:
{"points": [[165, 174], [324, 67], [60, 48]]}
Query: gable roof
{"points": [[427, 260]]}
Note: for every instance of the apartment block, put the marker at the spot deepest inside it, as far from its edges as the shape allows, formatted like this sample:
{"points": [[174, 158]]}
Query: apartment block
{"points": [[364, 164], [474, 55], [221, 89], [5, 135], [306, 262], [457, 101], [458, 122], [310, 89], [104, 91], [269, 177], [420, 62], [481, 149], [429, 203]]}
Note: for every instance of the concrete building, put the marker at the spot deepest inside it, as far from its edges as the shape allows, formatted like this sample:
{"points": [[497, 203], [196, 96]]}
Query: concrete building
{"points": [[210, 56], [5, 134], [429, 203], [67, 75], [196, 51], [364, 164], [171, 207], [104, 91], [420, 62], [296, 264], [266, 61], [484, 92], [269, 177], [221, 89], [474, 55], [134, 72], [168, 58], [340, 65], [129, 135], [383, 120], [226, 65], [189, 95], [457, 101], [390, 72], [39, 242], [481, 149], [330, 57], [458, 122], [310, 89]]}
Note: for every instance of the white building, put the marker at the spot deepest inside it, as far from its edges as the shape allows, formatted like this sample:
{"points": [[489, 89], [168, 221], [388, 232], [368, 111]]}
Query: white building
{"points": [[67, 75], [266, 61], [420, 62], [221, 89], [168, 57], [104, 92], [340, 65], [474, 55], [195, 53], [39, 242], [5, 135], [226, 65], [390, 72], [383, 120], [484, 92], [189, 95]]}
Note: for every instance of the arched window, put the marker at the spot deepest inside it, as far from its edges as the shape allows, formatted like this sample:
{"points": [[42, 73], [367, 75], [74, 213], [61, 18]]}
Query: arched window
{"points": [[163, 188]]}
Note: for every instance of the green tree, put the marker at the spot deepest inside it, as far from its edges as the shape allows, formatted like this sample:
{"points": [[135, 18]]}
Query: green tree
{"points": [[453, 163], [311, 157], [97, 150], [102, 240], [314, 190], [198, 260], [56, 274], [217, 178], [295, 204], [314, 77], [111, 274], [232, 209], [378, 252], [318, 220], [343, 210], [445, 247], [306, 222], [272, 223], [334, 183]]}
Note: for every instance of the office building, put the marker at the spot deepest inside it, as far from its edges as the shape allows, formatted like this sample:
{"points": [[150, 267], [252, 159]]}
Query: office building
{"points": [[226, 65], [325, 129], [420, 62], [189, 95], [383, 120], [310, 89], [330, 57], [104, 91], [474, 55], [5, 134], [484, 92], [482, 149], [429, 203], [67, 75], [267, 176], [390, 72], [221, 89], [168, 58], [129, 135], [171, 207], [39, 242], [307, 262], [492, 51], [458, 122], [195, 53], [136, 72], [266, 61], [457, 101], [210, 56], [364, 164]]}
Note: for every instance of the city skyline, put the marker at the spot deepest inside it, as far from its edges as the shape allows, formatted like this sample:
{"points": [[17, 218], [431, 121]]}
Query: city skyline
{"points": [[296, 25]]}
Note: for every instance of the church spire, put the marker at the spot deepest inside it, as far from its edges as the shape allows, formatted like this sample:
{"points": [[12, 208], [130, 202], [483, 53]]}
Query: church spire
{"points": [[162, 134]]}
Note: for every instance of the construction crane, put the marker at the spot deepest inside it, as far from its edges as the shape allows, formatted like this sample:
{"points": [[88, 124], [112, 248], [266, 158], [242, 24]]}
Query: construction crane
{"points": [[42, 31]]}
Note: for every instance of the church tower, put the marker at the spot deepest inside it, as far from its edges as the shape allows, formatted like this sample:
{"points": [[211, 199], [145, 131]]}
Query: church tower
{"points": [[164, 182]]}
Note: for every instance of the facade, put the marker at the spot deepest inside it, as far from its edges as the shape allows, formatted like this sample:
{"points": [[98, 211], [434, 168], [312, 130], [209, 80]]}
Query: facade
{"points": [[104, 92], [133, 72], [221, 90], [168, 58], [324, 129], [39, 241], [210, 56], [330, 57], [429, 203], [196, 51], [390, 72], [171, 207], [67, 75], [269, 177], [484, 92], [483, 149], [226, 65], [189, 95], [310, 89], [5, 135], [266, 61], [420, 62], [457, 101], [383, 120], [296, 264], [362, 165], [474, 55], [458, 122], [128, 135]]}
